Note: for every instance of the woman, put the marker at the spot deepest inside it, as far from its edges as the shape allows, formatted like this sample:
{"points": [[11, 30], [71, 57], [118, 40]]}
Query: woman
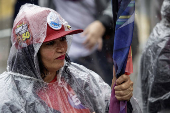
{"points": [[41, 79]]}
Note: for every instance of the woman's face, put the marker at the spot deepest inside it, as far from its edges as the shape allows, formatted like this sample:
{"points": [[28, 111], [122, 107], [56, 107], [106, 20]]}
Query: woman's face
{"points": [[53, 54]]}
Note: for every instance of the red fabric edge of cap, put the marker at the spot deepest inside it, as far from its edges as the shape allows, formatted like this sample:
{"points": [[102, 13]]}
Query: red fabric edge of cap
{"points": [[62, 34]]}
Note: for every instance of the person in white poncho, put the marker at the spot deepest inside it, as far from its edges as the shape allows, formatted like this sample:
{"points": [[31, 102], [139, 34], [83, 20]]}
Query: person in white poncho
{"points": [[41, 79]]}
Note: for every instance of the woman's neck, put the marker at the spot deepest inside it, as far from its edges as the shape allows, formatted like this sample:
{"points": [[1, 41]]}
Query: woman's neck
{"points": [[50, 76]]}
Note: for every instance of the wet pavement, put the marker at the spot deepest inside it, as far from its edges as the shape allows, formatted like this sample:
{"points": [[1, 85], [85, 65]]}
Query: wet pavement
{"points": [[4, 50], [6, 12]]}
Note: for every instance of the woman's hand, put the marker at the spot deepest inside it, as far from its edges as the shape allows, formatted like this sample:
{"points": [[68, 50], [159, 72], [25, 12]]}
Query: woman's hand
{"points": [[124, 88]]}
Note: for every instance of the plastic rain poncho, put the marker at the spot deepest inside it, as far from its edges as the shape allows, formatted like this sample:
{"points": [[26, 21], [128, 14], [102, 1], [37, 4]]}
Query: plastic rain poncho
{"points": [[155, 67], [22, 89]]}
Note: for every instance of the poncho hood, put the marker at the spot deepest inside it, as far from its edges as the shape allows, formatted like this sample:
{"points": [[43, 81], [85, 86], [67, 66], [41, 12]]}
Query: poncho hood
{"points": [[28, 33], [165, 11]]}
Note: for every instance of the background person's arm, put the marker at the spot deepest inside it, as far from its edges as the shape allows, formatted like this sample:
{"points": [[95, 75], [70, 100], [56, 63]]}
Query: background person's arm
{"points": [[96, 30]]}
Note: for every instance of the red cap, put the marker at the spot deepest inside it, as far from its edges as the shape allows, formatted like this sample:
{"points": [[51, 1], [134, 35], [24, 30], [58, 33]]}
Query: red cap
{"points": [[53, 34], [36, 24]]}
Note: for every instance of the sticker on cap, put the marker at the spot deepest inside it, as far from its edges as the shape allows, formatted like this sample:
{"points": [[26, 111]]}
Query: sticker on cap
{"points": [[54, 21], [22, 34], [67, 27]]}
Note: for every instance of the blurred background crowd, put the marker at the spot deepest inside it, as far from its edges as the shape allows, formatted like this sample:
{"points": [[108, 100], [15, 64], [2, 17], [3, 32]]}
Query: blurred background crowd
{"points": [[147, 15], [97, 55]]}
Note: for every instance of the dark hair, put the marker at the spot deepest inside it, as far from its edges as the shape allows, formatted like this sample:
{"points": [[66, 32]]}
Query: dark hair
{"points": [[42, 67], [23, 62]]}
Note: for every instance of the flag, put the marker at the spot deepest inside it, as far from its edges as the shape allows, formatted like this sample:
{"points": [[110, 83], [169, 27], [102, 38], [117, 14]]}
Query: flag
{"points": [[122, 55]]}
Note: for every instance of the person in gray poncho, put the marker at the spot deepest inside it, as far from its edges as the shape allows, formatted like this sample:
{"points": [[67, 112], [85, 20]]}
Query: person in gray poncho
{"points": [[41, 79], [155, 66]]}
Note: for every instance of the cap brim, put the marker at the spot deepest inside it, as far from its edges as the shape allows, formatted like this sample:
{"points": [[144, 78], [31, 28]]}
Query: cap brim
{"points": [[62, 34]]}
